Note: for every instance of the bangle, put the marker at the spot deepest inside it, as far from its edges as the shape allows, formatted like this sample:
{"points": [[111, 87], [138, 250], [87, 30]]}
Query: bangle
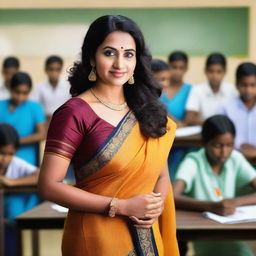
{"points": [[113, 207]]}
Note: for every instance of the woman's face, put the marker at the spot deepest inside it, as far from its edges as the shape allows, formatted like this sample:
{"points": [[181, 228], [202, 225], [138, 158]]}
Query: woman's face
{"points": [[115, 59], [6, 154], [219, 149], [20, 94]]}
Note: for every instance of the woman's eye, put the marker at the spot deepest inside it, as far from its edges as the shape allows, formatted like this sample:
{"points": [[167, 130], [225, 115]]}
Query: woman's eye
{"points": [[129, 54], [109, 53]]}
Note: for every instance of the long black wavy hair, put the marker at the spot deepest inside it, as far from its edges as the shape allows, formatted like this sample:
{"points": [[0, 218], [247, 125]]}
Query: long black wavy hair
{"points": [[143, 96]]}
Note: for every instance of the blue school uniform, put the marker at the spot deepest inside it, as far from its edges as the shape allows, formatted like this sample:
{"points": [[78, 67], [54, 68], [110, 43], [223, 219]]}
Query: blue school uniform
{"points": [[176, 107], [24, 118]]}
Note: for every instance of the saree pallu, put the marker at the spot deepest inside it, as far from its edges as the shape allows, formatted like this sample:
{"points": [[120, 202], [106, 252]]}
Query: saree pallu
{"points": [[126, 165]]}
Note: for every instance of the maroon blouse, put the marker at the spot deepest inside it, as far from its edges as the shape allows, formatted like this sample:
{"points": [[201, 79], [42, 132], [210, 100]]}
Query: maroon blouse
{"points": [[76, 132]]}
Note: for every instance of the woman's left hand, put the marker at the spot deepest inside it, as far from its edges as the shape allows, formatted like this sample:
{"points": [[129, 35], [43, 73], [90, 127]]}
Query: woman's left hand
{"points": [[145, 223]]}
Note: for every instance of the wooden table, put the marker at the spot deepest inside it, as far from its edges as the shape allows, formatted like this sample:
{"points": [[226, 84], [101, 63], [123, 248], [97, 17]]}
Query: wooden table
{"points": [[191, 226], [188, 141], [7, 190]]}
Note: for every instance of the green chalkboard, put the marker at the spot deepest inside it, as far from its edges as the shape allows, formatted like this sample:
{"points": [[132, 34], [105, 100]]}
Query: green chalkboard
{"points": [[198, 31]]}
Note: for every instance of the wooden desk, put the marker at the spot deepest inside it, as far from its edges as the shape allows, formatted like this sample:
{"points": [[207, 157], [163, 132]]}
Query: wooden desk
{"points": [[7, 190], [191, 226], [188, 141]]}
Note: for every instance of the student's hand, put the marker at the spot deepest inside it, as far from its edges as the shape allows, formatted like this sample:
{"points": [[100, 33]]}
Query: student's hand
{"points": [[224, 207], [144, 206], [6, 181]]}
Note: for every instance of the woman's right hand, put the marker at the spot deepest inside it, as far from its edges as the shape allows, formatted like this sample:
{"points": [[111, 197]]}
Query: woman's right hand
{"points": [[143, 206]]}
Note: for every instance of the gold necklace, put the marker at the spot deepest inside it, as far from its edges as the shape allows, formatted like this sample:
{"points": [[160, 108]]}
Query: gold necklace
{"points": [[108, 104]]}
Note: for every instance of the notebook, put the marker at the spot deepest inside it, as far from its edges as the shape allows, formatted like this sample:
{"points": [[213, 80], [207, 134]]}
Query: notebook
{"points": [[242, 214], [188, 131]]}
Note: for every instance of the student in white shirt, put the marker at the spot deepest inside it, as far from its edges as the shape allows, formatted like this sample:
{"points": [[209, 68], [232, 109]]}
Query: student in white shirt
{"points": [[14, 172], [242, 110], [10, 66], [53, 92], [206, 99]]}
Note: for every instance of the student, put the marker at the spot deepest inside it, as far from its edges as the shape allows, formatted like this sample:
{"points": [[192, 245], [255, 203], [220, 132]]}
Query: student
{"points": [[10, 66], [25, 115], [174, 98], [213, 179], [161, 72], [242, 111], [53, 92], [207, 99], [14, 172], [175, 95]]}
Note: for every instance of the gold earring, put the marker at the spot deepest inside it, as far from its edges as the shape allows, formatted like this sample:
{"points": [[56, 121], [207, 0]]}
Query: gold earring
{"points": [[92, 76], [131, 80]]}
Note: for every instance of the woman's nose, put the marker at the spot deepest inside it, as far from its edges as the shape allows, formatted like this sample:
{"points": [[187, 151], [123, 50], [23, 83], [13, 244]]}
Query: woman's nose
{"points": [[119, 62]]}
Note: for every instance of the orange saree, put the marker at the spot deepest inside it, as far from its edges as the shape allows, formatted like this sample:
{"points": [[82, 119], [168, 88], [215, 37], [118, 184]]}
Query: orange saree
{"points": [[126, 165]]}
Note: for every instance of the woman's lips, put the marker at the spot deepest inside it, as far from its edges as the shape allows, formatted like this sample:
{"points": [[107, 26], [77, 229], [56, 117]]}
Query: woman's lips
{"points": [[117, 74]]}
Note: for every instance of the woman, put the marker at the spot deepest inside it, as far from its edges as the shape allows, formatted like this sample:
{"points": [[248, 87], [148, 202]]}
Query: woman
{"points": [[24, 115], [217, 178], [112, 130]]}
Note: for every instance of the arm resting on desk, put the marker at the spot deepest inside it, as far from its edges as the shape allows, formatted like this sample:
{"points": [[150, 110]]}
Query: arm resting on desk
{"points": [[223, 207], [24, 181], [193, 118]]}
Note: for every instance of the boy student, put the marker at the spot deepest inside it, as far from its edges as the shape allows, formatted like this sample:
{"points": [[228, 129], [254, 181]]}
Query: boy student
{"points": [[10, 66], [53, 92], [214, 179], [207, 99], [242, 110]]}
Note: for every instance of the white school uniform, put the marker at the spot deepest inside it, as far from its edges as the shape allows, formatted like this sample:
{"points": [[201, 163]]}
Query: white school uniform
{"points": [[207, 103], [51, 98], [19, 168]]}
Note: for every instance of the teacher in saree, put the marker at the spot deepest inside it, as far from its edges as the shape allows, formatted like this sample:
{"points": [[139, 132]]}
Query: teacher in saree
{"points": [[117, 135]]}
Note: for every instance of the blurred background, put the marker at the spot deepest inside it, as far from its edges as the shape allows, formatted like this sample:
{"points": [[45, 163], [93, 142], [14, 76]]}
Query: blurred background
{"points": [[32, 30]]}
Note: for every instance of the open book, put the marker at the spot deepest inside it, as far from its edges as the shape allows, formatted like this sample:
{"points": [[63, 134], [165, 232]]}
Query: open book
{"points": [[242, 214]]}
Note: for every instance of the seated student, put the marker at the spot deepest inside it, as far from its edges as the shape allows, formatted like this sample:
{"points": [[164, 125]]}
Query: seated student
{"points": [[14, 172], [53, 92], [10, 66], [206, 99], [174, 97], [242, 111], [25, 115], [176, 94], [161, 72], [213, 179]]}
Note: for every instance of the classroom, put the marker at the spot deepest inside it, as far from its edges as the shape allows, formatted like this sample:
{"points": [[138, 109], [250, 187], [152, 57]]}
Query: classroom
{"points": [[128, 128]]}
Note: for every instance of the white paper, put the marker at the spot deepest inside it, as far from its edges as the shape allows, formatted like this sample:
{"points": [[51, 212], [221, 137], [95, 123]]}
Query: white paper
{"points": [[188, 131], [242, 214], [59, 208]]}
